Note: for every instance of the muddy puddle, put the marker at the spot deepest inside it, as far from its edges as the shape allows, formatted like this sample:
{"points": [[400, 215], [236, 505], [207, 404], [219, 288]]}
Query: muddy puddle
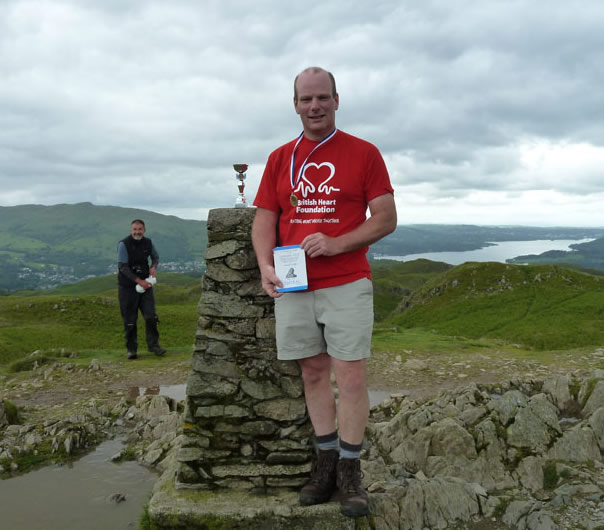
{"points": [[92, 493]]}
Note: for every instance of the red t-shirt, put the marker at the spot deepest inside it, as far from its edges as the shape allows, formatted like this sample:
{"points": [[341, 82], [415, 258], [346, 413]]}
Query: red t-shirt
{"points": [[339, 179]]}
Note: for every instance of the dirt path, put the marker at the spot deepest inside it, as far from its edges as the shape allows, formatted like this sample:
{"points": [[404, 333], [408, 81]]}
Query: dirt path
{"points": [[58, 389]]}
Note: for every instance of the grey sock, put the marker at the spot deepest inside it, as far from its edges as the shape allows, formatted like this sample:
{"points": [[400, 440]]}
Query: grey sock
{"points": [[327, 441]]}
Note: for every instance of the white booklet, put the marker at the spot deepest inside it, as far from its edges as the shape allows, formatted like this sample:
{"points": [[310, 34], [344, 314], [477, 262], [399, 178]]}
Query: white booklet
{"points": [[290, 268]]}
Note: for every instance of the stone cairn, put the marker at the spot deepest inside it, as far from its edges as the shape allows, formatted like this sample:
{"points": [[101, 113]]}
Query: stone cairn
{"points": [[246, 424]]}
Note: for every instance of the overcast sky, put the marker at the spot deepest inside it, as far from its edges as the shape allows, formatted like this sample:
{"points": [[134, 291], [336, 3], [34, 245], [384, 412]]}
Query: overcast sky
{"points": [[486, 112]]}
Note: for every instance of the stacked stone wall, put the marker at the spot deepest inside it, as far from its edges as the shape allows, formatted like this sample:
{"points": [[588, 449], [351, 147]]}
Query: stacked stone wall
{"points": [[246, 424]]}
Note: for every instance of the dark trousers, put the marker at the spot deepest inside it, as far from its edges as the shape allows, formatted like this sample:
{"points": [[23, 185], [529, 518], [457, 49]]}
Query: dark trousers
{"points": [[130, 303]]}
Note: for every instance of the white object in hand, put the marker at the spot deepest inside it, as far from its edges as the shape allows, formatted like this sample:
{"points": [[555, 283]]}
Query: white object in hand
{"points": [[151, 279]]}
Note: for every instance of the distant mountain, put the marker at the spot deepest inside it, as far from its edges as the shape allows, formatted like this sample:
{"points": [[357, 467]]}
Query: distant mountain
{"points": [[44, 246], [585, 255]]}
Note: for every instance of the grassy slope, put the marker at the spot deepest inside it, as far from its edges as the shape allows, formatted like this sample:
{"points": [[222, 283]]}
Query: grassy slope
{"points": [[394, 280], [544, 307], [475, 306], [85, 316]]}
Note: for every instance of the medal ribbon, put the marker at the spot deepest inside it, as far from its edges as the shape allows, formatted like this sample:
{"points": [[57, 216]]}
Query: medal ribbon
{"points": [[295, 182]]}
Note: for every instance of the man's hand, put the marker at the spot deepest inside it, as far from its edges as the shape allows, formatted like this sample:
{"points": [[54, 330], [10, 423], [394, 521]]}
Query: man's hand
{"points": [[318, 244], [144, 283], [152, 271], [270, 282]]}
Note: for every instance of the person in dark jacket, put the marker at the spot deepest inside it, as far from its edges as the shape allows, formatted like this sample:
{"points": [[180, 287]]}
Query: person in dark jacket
{"points": [[137, 262]]}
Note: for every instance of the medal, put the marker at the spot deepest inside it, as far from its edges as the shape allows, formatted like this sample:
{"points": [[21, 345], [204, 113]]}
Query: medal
{"points": [[293, 200]]}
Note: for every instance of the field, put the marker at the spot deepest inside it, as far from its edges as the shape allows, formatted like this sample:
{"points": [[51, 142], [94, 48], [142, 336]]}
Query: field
{"points": [[423, 310], [85, 317]]}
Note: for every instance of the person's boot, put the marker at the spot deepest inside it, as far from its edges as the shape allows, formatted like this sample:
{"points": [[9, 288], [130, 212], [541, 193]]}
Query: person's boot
{"points": [[131, 340], [157, 350], [322, 481], [152, 336], [354, 501]]}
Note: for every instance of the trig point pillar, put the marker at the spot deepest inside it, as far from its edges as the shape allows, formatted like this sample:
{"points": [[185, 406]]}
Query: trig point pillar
{"points": [[246, 424]]}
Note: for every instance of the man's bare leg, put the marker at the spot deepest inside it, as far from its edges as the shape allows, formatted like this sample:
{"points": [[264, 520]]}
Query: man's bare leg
{"points": [[320, 400], [353, 413], [353, 399]]}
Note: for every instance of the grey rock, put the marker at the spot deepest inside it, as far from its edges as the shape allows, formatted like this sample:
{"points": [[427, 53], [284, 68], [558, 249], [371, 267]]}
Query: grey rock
{"points": [[208, 385], [265, 328], [223, 249], [534, 425], [415, 364], [282, 409], [220, 272], [515, 511], [260, 390], [212, 303], [507, 405], [540, 520], [578, 444], [558, 388], [595, 399], [596, 422], [243, 259], [530, 473], [214, 366], [437, 503], [451, 439]]}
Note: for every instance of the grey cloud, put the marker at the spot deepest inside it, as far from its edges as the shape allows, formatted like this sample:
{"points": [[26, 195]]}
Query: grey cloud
{"points": [[103, 98]]}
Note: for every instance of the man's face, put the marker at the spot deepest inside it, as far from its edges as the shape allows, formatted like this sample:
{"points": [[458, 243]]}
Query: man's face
{"points": [[316, 104], [137, 231]]}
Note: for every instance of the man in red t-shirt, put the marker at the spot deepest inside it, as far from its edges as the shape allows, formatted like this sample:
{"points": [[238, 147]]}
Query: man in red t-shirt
{"points": [[315, 192]]}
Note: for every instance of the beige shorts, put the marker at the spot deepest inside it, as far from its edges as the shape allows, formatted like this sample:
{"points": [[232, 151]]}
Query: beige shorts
{"points": [[337, 320]]}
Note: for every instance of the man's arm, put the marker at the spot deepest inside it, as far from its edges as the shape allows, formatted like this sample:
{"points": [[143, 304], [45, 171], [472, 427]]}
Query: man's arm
{"points": [[264, 240], [154, 260], [381, 223]]}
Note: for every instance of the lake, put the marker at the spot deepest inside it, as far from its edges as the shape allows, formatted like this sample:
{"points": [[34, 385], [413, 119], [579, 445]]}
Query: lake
{"points": [[500, 251]]}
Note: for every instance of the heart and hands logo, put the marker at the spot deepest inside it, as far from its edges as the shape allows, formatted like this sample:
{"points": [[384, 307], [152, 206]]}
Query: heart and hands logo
{"points": [[316, 174]]}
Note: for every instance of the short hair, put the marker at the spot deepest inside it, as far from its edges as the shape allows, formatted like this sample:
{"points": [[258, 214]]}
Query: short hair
{"points": [[316, 70], [138, 222]]}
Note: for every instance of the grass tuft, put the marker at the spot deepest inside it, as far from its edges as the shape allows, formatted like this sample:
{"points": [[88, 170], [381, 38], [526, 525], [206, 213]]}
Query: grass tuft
{"points": [[12, 412]]}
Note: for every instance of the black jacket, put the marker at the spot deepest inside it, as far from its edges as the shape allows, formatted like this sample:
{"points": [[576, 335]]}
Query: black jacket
{"points": [[139, 256]]}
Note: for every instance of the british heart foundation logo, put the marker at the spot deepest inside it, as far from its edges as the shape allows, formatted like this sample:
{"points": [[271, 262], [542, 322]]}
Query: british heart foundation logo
{"points": [[316, 177]]}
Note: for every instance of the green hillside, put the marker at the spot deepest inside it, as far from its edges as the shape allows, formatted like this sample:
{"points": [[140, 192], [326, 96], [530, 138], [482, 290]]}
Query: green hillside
{"points": [[86, 316], [394, 281], [42, 246], [419, 306], [542, 306]]}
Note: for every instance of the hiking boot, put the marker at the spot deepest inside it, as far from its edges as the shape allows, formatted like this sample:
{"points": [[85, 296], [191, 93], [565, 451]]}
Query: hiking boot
{"points": [[354, 501], [322, 481], [132, 355], [157, 350]]}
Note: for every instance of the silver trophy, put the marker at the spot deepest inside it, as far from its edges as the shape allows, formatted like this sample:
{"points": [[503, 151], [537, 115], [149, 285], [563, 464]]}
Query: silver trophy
{"points": [[240, 169]]}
